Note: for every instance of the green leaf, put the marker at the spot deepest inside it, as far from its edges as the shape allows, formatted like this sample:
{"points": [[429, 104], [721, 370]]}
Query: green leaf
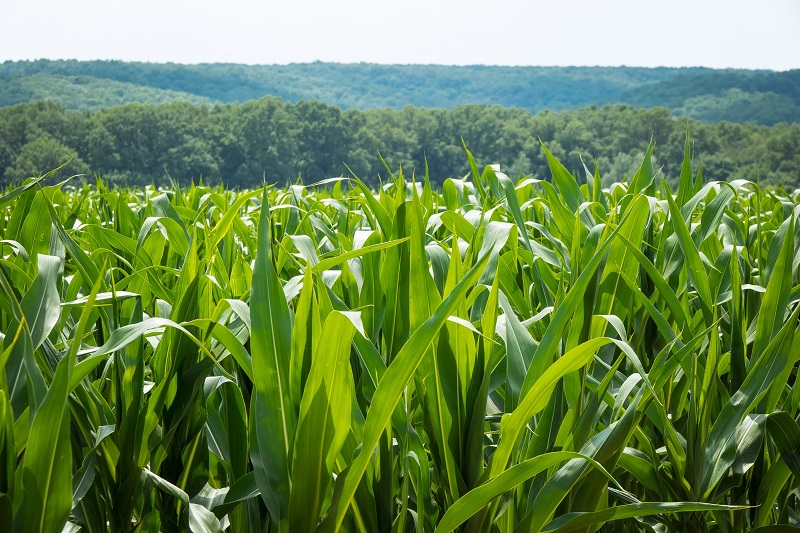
{"points": [[324, 420], [472, 502], [575, 521], [720, 448], [566, 183], [397, 377], [273, 415], [47, 466], [41, 303], [694, 265]]}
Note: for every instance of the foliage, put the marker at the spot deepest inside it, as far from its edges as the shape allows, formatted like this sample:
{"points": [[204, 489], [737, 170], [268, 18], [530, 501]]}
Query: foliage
{"points": [[687, 85], [241, 145], [736, 105], [700, 93], [87, 92], [44, 152], [498, 355]]}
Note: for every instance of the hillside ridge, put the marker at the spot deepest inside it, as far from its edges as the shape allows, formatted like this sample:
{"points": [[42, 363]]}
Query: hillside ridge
{"points": [[734, 95]]}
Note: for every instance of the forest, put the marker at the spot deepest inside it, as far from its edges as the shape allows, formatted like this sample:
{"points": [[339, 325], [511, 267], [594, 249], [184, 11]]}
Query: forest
{"points": [[760, 96], [274, 140]]}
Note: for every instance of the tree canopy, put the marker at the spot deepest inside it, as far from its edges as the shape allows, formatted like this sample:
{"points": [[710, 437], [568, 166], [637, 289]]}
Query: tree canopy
{"points": [[765, 97], [272, 139]]}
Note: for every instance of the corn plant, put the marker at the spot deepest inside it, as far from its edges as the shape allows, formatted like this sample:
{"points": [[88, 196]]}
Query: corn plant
{"points": [[499, 355]]}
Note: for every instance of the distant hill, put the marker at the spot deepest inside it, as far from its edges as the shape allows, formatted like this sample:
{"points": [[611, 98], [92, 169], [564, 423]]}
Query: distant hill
{"points": [[87, 92], [765, 97]]}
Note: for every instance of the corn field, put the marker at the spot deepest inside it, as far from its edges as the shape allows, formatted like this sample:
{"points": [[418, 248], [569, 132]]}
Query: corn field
{"points": [[499, 356]]}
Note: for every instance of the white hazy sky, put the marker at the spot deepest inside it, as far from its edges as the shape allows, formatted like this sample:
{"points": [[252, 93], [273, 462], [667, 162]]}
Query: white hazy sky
{"points": [[712, 33]]}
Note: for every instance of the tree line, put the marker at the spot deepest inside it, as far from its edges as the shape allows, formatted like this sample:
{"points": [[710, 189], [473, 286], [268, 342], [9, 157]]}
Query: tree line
{"points": [[278, 141], [761, 96]]}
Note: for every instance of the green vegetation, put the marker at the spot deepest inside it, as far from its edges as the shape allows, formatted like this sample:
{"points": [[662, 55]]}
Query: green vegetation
{"points": [[705, 94], [86, 92], [240, 145], [499, 355], [737, 105]]}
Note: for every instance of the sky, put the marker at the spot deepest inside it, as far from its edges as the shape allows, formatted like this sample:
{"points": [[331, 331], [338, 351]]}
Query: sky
{"points": [[710, 33]]}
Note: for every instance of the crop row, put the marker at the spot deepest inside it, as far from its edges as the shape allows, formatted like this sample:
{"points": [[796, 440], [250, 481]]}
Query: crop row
{"points": [[501, 355]]}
